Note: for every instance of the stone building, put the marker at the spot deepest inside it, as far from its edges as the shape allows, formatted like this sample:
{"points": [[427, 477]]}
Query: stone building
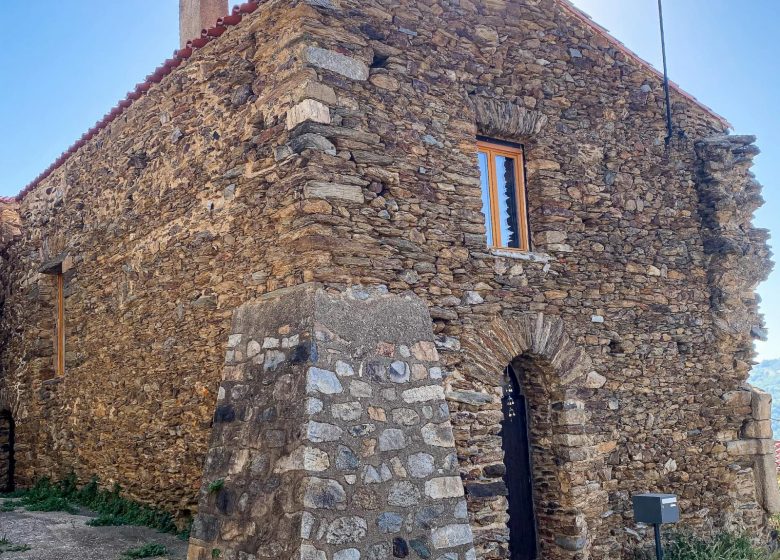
{"points": [[426, 279]]}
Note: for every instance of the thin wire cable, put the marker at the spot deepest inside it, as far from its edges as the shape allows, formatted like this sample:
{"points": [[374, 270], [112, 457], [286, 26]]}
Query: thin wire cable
{"points": [[666, 76]]}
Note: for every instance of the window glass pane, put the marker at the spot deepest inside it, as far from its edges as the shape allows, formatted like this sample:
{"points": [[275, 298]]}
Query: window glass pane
{"points": [[507, 201], [484, 179]]}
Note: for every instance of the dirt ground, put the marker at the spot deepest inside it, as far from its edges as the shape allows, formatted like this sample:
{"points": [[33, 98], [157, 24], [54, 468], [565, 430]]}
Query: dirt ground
{"points": [[62, 536]]}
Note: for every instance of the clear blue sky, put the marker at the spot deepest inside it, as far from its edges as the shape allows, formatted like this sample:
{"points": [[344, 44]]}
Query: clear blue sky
{"points": [[63, 64]]}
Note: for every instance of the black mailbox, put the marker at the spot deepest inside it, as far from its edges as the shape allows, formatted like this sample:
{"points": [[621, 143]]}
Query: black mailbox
{"points": [[655, 509]]}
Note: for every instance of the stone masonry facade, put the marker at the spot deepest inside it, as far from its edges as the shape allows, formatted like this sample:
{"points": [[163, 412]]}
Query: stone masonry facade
{"points": [[332, 434], [281, 313]]}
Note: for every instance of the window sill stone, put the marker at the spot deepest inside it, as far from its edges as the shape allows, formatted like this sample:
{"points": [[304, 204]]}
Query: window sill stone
{"points": [[521, 255]]}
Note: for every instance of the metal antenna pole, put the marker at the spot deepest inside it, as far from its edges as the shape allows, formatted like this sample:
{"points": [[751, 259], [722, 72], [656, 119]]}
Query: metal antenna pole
{"points": [[659, 551], [666, 76]]}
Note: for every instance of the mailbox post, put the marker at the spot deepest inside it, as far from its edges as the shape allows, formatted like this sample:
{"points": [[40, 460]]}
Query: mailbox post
{"points": [[655, 510]]}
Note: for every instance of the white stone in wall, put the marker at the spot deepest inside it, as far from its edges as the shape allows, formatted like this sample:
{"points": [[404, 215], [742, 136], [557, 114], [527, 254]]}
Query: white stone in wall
{"points": [[313, 406], [595, 380], [391, 440], [403, 494], [319, 432], [439, 435], [336, 62], [253, 349], [473, 298], [405, 416], [307, 110], [461, 510], [348, 412], [322, 381], [322, 493], [272, 359], [234, 340], [343, 369], [444, 487], [307, 524], [319, 189], [451, 535], [291, 342], [304, 458], [347, 554], [308, 552], [420, 465], [743, 447], [346, 530], [360, 389], [423, 394], [238, 461], [761, 403]]}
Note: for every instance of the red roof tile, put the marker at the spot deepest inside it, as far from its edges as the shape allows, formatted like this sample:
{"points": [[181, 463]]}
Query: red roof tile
{"points": [[179, 56]]}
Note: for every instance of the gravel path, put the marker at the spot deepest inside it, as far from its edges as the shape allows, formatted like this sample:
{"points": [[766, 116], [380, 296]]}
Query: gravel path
{"points": [[62, 536]]}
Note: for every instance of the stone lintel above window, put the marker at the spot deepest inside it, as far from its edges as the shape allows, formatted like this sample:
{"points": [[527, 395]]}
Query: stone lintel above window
{"points": [[501, 119], [57, 265]]}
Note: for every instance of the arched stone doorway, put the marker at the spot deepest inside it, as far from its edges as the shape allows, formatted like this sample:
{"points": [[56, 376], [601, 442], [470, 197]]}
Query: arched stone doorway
{"points": [[567, 451], [6, 451]]}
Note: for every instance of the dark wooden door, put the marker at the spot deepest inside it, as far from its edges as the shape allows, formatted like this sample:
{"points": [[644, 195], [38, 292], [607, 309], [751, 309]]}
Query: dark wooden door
{"points": [[519, 474], [6, 452]]}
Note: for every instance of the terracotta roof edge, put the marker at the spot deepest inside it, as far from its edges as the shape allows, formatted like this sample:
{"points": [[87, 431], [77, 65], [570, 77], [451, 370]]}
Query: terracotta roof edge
{"points": [[234, 18], [179, 56]]}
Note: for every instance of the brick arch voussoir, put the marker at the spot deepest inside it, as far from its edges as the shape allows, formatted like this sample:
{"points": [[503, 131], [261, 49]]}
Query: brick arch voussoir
{"points": [[486, 350], [490, 347]]}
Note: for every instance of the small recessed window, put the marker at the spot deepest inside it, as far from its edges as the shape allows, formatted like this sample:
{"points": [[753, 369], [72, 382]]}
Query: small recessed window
{"points": [[56, 269], [60, 343], [503, 195]]}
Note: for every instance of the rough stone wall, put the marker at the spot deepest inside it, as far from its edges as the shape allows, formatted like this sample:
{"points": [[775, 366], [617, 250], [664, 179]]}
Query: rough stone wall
{"points": [[172, 217], [738, 260], [332, 437], [621, 250], [335, 142]]}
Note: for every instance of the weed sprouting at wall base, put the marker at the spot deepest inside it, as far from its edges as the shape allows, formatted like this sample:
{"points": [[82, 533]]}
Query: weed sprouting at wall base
{"points": [[111, 507]]}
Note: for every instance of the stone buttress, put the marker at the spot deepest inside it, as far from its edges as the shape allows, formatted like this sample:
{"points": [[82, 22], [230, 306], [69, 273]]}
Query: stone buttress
{"points": [[331, 437]]}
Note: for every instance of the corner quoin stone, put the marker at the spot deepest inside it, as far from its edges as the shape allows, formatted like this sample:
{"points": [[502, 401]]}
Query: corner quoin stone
{"points": [[362, 439], [336, 62]]}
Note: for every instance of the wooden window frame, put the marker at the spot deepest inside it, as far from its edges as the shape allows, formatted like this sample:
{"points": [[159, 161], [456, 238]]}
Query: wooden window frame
{"points": [[60, 366], [492, 149], [58, 267]]}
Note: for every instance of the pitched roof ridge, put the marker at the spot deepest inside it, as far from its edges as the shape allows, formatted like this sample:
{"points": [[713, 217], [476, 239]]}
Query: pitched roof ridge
{"points": [[179, 56], [581, 15]]}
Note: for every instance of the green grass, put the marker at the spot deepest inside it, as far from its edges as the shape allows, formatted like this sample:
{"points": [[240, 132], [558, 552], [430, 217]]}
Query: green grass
{"points": [[106, 520], [146, 551], [111, 507], [15, 548], [10, 505], [724, 546], [8, 546], [216, 485]]}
